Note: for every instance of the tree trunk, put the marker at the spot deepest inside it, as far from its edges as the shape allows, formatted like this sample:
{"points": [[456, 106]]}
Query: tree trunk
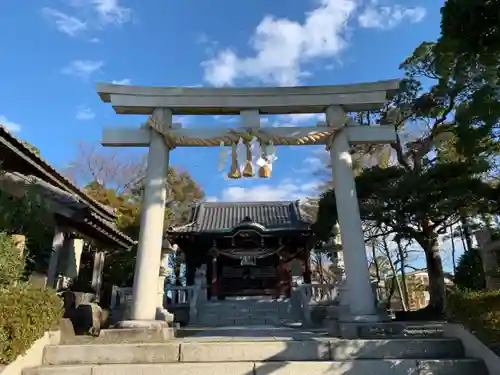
{"points": [[464, 245], [437, 288], [395, 275], [403, 273], [375, 263], [453, 250], [466, 231]]}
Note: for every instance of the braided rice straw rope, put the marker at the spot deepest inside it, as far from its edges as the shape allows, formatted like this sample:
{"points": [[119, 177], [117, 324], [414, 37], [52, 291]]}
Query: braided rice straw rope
{"points": [[233, 136]]}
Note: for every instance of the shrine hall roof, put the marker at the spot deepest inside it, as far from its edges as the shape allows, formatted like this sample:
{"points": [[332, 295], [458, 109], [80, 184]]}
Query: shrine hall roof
{"points": [[225, 216]]}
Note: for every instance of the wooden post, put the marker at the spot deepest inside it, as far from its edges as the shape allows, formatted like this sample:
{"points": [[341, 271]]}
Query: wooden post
{"points": [[307, 267], [97, 273], [213, 283]]}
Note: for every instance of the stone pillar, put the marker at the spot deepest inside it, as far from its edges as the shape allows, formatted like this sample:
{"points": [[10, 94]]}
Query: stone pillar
{"points": [[144, 293], [488, 251], [57, 246], [74, 255], [161, 278], [161, 310], [360, 294]]}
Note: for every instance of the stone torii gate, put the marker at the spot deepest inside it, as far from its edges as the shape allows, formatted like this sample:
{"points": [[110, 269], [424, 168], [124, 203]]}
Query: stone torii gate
{"points": [[162, 136]]}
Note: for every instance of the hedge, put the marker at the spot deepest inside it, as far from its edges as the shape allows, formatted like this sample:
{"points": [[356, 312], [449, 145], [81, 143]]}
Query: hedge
{"points": [[11, 261], [26, 313], [479, 312]]}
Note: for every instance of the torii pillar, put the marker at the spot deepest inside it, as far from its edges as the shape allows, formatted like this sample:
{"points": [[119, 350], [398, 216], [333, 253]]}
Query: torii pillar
{"points": [[147, 265]]}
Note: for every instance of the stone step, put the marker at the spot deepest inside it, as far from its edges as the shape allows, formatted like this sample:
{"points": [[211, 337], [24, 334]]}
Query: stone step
{"points": [[400, 329], [233, 351], [240, 310], [236, 323], [213, 316], [357, 367], [239, 323]]}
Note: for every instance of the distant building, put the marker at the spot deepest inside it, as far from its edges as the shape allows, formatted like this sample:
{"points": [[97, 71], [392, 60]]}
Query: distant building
{"points": [[417, 283]]}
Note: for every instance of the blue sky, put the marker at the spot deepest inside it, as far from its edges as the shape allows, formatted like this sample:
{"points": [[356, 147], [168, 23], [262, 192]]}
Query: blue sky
{"points": [[54, 51]]}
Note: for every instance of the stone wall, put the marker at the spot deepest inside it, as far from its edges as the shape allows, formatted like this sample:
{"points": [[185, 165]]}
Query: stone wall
{"points": [[489, 249]]}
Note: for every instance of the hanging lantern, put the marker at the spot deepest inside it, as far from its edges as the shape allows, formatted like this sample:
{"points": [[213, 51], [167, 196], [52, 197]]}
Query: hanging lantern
{"points": [[248, 169], [235, 172]]}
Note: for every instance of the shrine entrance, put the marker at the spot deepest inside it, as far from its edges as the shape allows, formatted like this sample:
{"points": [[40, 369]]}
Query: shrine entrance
{"points": [[161, 136], [245, 255], [255, 278]]}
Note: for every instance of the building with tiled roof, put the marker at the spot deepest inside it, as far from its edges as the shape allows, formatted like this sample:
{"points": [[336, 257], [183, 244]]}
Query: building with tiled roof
{"points": [[248, 248]]}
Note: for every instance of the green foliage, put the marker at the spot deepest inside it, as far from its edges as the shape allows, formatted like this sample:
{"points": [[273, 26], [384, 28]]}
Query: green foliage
{"points": [[26, 313], [447, 144], [33, 148], [479, 312], [183, 193], [11, 261], [389, 197], [469, 273], [471, 30], [29, 215]]}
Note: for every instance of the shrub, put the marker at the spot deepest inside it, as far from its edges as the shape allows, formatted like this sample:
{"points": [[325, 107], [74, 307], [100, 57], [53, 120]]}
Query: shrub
{"points": [[479, 312], [26, 313], [11, 261], [469, 273]]}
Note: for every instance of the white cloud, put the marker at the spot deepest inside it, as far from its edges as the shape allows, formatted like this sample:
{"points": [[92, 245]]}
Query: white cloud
{"points": [[125, 81], [65, 23], [90, 15], [211, 199], [111, 12], [84, 113], [285, 190], [9, 125], [281, 47], [82, 68], [298, 119], [388, 17], [313, 163]]}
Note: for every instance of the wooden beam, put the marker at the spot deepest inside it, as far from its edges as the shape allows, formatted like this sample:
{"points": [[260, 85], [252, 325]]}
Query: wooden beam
{"points": [[269, 100], [133, 137]]}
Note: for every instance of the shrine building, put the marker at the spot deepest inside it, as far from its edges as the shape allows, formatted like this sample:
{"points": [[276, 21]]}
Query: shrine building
{"points": [[249, 248]]}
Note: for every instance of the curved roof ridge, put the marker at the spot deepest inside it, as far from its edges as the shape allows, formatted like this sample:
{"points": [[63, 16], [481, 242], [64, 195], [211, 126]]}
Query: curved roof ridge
{"points": [[63, 182]]}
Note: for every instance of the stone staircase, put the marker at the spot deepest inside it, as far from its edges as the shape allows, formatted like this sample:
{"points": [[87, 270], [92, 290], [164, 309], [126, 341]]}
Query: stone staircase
{"points": [[263, 351], [243, 311]]}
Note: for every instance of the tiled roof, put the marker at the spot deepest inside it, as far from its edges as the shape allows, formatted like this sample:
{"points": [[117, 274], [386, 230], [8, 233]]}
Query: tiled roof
{"points": [[32, 164], [46, 171], [224, 216]]}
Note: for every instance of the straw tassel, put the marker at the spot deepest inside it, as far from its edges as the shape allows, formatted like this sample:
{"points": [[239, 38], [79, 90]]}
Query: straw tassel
{"points": [[248, 171], [235, 172], [264, 169]]}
